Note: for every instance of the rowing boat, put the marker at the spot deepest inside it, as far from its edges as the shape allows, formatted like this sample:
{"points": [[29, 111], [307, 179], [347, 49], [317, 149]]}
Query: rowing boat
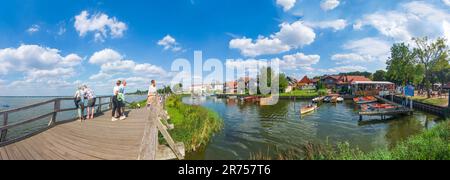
{"points": [[308, 109]]}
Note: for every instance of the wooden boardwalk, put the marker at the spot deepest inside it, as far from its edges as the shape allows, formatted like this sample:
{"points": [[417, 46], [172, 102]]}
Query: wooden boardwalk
{"points": [[97, 139]]}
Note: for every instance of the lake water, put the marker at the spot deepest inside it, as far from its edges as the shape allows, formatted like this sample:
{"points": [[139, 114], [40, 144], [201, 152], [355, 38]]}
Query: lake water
{"points": [[251, 129]]}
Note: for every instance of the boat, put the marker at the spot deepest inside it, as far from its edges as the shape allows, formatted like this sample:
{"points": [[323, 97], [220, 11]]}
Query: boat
{"points": [[318, 99], [327, 99], [340, 99], [377, 107], [251, 99], [308, 109], [365, 100], [334, 99]]}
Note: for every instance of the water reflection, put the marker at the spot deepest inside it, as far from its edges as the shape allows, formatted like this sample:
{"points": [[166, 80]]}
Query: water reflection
{"points": [[250, 128]]}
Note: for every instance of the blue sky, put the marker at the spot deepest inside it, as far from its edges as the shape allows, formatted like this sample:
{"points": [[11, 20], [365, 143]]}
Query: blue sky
{"points": [[49, 47]]}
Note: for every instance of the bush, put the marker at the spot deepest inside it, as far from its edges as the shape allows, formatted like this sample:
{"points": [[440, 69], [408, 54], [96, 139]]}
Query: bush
{"points": [[194, 125]]}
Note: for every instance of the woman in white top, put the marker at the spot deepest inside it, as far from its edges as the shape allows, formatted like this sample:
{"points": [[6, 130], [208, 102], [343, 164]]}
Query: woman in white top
{"points": [[90, 96], [152, 92], [79, 102]]}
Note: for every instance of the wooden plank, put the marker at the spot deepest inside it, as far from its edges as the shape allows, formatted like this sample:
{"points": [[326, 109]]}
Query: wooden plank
{"points": [[3, 154]]}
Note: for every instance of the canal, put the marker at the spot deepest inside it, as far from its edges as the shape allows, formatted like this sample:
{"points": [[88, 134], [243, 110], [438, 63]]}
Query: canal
{"points": [[250, 129]]}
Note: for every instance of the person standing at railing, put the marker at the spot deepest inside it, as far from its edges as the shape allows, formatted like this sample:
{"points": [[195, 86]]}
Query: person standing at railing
{"points": [[90, 96], [116, 103], [79, 102], [122, 98], [151, 96]]}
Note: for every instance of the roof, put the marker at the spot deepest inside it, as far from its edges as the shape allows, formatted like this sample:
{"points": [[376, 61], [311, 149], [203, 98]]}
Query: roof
{"points": [[447, 86], [305, 80], [373, 82]]}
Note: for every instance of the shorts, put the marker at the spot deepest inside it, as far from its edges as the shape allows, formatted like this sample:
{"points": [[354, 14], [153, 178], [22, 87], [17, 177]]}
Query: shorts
{"points": [[91, 103]]}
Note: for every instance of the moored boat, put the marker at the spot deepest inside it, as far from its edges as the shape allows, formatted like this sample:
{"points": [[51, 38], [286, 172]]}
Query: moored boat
{"points": [[340, 99], [318, 99], [365, 100], [308, 109]]}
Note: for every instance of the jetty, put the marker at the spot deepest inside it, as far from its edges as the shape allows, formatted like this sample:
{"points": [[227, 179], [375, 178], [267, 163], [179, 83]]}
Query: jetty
{"points": [[383, 113], [135, 138]]}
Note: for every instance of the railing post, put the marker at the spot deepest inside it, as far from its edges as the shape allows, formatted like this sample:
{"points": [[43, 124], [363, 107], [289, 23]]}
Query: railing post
{"points": [[5, 131], [99, 110], [56, 109], [110, 102]]}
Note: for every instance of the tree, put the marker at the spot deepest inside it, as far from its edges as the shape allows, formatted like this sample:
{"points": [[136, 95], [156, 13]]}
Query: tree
{"points": [[380, 75], [441, 70], [401, 66], [284, 83], [428, 55]]}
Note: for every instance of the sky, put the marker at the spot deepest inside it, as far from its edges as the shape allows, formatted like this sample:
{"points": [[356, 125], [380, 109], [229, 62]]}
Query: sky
{"points": [[49, 47]]}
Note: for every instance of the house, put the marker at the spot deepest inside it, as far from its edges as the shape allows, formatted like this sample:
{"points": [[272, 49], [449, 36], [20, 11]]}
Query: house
{"points": [[306, 83], [230, 87], [341, 81], [372, 88]]}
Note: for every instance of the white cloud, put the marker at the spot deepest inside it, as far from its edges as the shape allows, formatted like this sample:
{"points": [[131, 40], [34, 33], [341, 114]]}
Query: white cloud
{"points": [[341, 69], [105, 56], [170, 43], [100, 24], [336, 25], [327, 5], [30, 57], [113, 64], [290, 36], [33, 29], [371, 52], [298, 60], [287, 62], [446, 2], [413, 19], [286, 4]]}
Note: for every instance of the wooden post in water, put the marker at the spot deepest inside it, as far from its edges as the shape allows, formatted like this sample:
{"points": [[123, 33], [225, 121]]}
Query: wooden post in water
{"points": [[56, 108], [5, 131]]}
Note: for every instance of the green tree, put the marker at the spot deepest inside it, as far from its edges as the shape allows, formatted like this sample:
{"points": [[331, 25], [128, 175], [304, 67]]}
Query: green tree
{"points": [[284, 83], [428, 55], [401, 66], [441, 70], [380, 75]]}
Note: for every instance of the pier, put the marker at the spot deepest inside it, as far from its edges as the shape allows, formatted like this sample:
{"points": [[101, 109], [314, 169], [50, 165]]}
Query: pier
{"points": [[135, 138], [386, 112]]}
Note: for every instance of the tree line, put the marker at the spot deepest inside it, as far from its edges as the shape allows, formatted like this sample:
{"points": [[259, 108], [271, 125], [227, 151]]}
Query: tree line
{"points": [[422, 65]]}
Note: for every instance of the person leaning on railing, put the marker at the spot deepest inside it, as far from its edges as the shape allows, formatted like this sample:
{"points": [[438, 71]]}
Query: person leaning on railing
{"points": [[79, 102]]}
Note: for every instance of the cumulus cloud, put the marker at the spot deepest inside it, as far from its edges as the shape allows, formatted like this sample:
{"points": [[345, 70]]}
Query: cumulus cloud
{"points": [[105, 56], [39, 66], [170, 43], [30, 57], [327, 5], [112, 64], [290, 36], [413, 19], [368, 50], [446, 2], [287, 62], [336, 25], [286, 4], [342, 69], [100, 24]]}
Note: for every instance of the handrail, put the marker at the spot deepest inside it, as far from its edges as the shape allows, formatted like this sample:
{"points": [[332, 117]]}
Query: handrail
{"points": [[5, 126]]}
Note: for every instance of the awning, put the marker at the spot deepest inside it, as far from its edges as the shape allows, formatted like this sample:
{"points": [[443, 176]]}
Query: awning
{"points": [[372, 83]]}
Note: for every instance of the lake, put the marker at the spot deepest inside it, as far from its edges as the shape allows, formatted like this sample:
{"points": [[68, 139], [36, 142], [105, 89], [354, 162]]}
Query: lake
{"points": [[251, 129]]}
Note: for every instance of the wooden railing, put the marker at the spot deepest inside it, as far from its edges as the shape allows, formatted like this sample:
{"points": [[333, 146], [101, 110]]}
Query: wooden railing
{"points": [[6, 125], [157, 123]]}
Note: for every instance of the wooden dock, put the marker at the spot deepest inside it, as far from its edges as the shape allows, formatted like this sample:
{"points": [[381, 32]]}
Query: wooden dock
{"points": [[135, 138], [386, 112]]}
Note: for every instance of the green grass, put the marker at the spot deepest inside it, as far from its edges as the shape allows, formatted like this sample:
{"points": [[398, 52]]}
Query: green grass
{"points": [[305, 93], [429, 145], [443, 102], [194, 125]]}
